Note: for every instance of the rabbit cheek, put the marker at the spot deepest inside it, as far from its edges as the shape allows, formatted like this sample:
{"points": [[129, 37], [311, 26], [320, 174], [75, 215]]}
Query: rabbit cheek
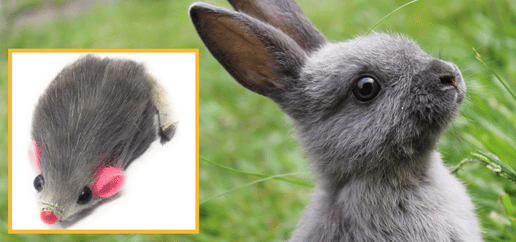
{"points": [[434, 109]]}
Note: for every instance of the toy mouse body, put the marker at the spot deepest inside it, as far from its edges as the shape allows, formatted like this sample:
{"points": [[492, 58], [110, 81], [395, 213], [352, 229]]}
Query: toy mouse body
{"points": [[368, 111], [94, 119]]}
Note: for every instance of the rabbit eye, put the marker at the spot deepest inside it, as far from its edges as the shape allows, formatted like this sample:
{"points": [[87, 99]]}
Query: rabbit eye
{"points": [[38, 183], [85, 196], [366, 89]]}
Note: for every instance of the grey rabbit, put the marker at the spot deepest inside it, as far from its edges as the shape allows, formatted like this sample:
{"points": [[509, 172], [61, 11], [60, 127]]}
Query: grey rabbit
{"points": [[368, 111], [94, 119]]}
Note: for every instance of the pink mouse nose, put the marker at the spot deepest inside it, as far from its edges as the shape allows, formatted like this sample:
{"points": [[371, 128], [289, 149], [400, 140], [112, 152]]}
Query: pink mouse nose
{"points": [[49, 217]]}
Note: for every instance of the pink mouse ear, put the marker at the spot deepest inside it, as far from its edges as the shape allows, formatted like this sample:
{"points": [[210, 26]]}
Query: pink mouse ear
{"points": [[34, 155], [109, 181]]}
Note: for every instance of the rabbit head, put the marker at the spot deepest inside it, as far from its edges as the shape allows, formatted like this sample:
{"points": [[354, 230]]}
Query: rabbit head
{"points": [[367, 104]]}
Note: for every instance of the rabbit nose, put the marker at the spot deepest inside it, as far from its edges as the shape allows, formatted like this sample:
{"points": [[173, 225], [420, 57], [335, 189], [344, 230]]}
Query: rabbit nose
{"points": [[445, 72], [447, 80]]}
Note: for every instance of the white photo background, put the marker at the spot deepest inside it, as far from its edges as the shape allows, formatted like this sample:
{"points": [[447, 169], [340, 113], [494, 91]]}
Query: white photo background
{"points": [[159, 192]]}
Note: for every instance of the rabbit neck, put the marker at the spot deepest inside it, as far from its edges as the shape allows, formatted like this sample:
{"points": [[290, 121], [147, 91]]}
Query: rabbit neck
{"points": [[427, 205], [392, 175], [404, 177]]}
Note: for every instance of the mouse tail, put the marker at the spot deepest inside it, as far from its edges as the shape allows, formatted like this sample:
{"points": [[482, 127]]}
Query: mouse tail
{"points": [[167, 134], [166, 116]]}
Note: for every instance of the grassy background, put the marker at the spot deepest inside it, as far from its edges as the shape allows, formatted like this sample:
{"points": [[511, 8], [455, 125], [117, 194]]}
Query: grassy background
{"points": [[248, 132]]}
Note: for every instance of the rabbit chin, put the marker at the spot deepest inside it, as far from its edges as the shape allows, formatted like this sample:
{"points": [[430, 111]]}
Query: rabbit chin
{"points": [[458, 96]]}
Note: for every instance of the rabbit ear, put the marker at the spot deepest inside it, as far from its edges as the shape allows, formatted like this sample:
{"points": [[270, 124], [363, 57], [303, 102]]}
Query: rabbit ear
{"points": [[257, 55], [285, 15]]}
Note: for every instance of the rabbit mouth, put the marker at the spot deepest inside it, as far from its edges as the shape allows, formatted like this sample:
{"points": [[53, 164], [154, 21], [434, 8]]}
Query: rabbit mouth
{"points": [[452, 81], [457, 83], [460, 89], [458, 93]]}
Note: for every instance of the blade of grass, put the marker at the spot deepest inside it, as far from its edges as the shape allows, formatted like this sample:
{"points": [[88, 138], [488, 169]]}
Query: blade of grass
{"points": [[249, 184], [479, 58], [505, 170], [381, 20], [492, 162], [495, 129], [461, 164], [257, 174], [508, 209]]}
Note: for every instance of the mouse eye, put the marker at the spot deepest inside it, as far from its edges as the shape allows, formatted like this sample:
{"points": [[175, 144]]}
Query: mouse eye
{"points": [[38, 183], [366, 89], [85, 196]]}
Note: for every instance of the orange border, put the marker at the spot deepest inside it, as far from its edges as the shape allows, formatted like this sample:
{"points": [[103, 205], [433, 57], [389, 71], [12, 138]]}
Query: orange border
{"points": [[59, 231]]}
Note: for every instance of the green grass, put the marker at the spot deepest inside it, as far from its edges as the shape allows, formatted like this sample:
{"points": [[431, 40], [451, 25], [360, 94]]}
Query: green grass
{"points": [[247, 132]]}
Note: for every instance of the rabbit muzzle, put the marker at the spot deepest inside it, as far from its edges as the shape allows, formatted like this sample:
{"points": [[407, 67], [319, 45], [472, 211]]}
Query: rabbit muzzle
{"points": [[449, 78], [459, 84]]}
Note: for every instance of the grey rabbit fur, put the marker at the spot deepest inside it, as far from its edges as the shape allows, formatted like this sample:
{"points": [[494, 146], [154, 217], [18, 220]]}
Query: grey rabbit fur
{"points": [[368, 112], [95, 113]]}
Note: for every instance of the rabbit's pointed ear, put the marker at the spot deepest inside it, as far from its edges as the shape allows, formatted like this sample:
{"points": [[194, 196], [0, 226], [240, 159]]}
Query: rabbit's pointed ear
{"points": [[285, 15], [257, 55]]}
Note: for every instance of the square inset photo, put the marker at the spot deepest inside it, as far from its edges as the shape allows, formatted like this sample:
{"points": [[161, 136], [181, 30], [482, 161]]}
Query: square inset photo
{"points": [[103, 141]]}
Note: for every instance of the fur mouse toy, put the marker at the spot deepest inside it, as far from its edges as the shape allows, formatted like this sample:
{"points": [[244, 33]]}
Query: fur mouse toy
{"points": [[94, 119], [368, 111]]}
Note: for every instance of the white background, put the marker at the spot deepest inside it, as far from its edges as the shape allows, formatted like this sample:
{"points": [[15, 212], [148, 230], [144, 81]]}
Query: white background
{"points": [[159, 192]]}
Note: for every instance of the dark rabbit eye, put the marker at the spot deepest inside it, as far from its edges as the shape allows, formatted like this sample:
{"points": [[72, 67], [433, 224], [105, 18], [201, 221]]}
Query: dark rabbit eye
{"points": [[366, 89], [38, 183], [85, 196]]}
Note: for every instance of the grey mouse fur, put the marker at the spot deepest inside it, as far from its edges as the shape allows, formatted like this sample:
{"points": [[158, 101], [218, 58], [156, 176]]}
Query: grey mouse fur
{"points": [[97, 112], [379, 175]]}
